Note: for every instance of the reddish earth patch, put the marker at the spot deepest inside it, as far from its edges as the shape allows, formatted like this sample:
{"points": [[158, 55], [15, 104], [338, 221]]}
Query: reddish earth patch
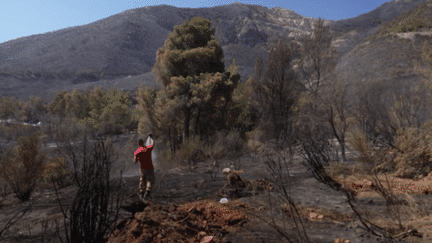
{"points": [[190, 222], [366, 188], [419, 218]]}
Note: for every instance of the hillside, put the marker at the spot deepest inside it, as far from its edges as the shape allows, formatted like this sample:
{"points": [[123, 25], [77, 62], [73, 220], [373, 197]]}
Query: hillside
{"points": [[119, 51], [389, 53]]}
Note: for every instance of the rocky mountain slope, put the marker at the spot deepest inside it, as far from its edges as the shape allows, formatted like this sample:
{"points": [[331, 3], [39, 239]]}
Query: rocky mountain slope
{"points": [[119, 51], [388, 51]]}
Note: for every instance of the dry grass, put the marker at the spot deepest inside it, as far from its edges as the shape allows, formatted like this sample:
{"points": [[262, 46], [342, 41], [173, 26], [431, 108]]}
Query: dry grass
{"points": [[217, 148], [339, 168], [412, 212]]}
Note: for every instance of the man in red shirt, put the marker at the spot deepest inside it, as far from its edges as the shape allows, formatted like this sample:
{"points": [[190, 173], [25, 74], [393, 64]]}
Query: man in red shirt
{"points": [[143, 156]]}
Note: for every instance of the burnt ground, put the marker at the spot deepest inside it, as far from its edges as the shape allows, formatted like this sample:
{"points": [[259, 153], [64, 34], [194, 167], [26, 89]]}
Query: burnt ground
{"points": [[185, 207]]}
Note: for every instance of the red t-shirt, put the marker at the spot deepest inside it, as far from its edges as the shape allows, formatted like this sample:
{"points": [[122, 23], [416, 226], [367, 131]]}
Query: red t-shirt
{"points": [[143, 155]]}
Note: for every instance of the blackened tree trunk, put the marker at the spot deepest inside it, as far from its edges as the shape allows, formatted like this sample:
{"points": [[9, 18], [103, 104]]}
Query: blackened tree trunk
{"points": [[186, 113]]}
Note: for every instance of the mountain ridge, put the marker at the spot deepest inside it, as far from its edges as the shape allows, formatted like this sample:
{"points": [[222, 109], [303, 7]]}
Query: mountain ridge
{"points": [[109, 50]]}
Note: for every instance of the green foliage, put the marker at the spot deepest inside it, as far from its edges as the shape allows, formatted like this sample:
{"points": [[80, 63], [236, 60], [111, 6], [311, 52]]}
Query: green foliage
{"points": [[75, 102], [97, 100], [116, 114], [239, 110], [215, 150], [189, 50], [58, 104], [79, 104], [190, 151], [32, 110], [372, 160], [415, 155], [13, 131], [55, 169], [413, 20], [101, 111], [9, 107], [133, 124], [162, 114], [339, 168], [196, 90]]}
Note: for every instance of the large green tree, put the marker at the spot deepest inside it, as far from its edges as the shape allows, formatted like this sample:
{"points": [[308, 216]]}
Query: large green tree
{"points": [[189, 50], [190, 70]]}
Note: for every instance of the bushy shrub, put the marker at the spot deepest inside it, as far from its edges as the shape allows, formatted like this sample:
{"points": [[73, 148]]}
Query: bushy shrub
{"points": [[234, 143], [216, 148], [410, 157], [107, 128], [21, 167], [254, 141], [55, 169], [190, 151], [415, 155], [372, 159], [12, 131], [338, 168]]}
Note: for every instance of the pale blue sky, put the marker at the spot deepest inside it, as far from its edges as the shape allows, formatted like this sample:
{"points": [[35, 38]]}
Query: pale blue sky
{"points": [[20, 18]]}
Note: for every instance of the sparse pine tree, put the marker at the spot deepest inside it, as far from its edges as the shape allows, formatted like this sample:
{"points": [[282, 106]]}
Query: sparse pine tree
{"points": [[318, 60], [275, 88]]}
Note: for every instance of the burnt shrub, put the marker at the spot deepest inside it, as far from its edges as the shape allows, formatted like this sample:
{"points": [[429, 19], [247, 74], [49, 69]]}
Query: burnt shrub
{"points": [[415, 154], [22, 165]]}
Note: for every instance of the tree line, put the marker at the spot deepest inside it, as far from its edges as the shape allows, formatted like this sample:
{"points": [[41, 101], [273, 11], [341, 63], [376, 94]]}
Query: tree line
{"points": [[296, 91], [294, 98]]}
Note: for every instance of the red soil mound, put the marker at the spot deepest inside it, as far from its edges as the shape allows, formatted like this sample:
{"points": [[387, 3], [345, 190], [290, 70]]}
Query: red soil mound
{"points": [[200, 221]]}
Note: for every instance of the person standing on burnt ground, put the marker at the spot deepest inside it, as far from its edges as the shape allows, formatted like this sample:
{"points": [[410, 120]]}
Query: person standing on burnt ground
{"points": [[143, 155]]}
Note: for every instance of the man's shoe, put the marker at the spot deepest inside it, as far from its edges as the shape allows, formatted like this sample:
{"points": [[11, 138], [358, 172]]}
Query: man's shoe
{"points": [[147, 194]]}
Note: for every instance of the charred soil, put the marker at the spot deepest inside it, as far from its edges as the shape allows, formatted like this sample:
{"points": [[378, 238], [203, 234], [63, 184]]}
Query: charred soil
{"points": [[185, 206]]}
